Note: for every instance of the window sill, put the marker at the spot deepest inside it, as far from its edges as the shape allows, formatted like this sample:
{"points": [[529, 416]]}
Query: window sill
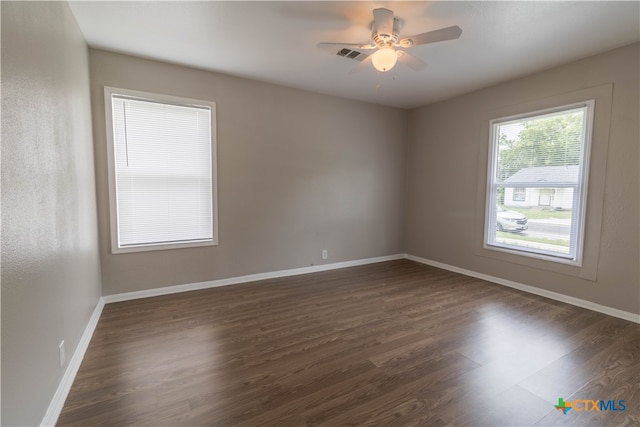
{"points": [[162, 247], [538, 261]]}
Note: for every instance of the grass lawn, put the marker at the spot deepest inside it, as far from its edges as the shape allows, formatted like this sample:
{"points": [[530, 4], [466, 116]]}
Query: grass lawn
{"points": [[537, 213], [516, 236]]}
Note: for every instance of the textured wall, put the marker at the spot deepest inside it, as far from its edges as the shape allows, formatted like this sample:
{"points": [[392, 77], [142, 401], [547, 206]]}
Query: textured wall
{"points": [[297, 173], [50, 262], [446, 139]]}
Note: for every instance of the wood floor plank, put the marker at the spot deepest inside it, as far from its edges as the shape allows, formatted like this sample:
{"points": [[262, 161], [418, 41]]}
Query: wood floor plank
{"points": [[590, 352], [393, 343], [513, 407]]}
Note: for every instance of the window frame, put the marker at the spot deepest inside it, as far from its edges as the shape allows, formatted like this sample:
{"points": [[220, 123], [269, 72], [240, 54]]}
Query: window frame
{"points": [[520, 198], [111, 157], [575, 257]]}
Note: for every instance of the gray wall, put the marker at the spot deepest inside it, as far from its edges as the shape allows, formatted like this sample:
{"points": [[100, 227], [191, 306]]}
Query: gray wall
{"points": [[298, 172], [50, 262], [447, 145]]}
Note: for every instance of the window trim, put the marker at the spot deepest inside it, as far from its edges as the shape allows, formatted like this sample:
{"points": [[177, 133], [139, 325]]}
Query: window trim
{"points": [[519, 102], [581, 191], [522, 198], [113, 204]]}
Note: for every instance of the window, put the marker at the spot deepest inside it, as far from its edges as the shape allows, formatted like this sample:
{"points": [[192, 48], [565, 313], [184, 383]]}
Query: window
{"points": [[161, 171], [537, 183], [519, 194]]}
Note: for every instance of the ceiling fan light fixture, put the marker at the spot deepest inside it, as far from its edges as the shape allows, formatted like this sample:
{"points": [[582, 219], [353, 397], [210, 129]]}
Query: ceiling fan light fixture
{"points": [[384, 59], [385, 36]]}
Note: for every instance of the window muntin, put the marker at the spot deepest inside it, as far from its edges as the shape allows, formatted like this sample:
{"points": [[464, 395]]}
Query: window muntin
{"points": [[162, 171], [537, 183], [519, 194]]}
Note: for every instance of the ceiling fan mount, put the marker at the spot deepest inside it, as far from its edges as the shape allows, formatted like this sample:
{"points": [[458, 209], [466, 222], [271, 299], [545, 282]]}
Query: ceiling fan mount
{"points": [[383, 40], [389, 46]]}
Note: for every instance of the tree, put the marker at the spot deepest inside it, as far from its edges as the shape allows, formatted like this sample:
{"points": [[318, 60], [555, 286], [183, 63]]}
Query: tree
{"points": [[549, 141]]}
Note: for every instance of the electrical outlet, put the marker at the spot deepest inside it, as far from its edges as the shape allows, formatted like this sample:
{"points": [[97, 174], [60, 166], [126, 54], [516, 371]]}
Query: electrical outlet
{"points": [[325, 254], [61, 353]]}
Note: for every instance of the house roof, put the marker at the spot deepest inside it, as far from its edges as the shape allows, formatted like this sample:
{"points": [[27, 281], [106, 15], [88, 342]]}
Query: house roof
{"points": [[568, 174]]}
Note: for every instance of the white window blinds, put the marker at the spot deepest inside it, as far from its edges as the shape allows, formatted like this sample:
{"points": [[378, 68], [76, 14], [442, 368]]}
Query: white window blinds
{"points": [[537, 182], [163, 172]]}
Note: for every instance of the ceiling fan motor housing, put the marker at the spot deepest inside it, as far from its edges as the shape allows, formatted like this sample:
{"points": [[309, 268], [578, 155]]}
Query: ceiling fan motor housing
{"points": [[387, 40]]}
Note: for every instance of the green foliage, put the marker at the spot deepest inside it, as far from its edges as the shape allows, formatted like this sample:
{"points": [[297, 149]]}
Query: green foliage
{"points": [[503, 236], [552, 141]]}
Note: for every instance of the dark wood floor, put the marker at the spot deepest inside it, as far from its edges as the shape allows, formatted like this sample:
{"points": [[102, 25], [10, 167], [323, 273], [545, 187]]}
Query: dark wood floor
{"points": [[394, 343]]}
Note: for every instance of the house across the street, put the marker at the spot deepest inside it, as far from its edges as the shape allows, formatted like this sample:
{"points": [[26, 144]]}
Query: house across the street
{"points": [[552, 196]]}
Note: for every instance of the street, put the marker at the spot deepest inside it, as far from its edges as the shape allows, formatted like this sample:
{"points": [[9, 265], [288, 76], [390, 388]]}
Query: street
{"points": [[549, 228]]}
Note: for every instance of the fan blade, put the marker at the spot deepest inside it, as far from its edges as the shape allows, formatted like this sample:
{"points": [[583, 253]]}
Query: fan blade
{"points": [[347, 45], [411, 61], [443, 34], [362, 65], [384, 21]]}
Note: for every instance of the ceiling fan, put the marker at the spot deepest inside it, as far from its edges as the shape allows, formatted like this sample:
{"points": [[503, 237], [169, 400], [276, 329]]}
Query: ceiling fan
{"points": [[390, 47]]}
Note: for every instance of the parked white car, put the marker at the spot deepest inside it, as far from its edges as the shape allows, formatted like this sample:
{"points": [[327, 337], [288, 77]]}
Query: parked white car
{"points": [[510, 220]]}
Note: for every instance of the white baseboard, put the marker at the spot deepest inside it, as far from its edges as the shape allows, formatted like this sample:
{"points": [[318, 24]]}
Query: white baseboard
{"points": [[532, 290], [57, 402], [60, 396], [244, 279], [316, 268], [55, 407]]}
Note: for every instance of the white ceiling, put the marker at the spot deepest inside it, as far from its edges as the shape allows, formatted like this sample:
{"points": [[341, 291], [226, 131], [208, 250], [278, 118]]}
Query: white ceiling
{"points": [[275, 41]]}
